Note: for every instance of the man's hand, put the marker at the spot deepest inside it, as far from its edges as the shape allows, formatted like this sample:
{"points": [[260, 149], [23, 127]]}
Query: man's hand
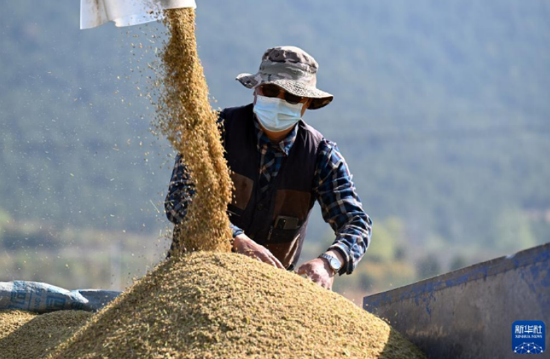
{"points": [[248, 247], [319, 271]]}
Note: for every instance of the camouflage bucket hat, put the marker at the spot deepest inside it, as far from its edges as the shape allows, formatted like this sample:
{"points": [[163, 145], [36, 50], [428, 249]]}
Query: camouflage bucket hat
{"points": [[292, 69]]}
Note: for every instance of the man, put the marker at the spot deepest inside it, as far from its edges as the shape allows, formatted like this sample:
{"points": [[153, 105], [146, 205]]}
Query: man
{"points": [[280, 167]]}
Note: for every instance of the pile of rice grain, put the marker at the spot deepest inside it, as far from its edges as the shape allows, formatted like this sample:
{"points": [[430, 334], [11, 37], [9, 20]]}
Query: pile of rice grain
{"points": [[224, 305], [11, 320], [25, 335]]}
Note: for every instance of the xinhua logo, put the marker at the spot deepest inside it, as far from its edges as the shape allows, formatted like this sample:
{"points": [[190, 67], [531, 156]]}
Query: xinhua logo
{"points": [[528, 337]]}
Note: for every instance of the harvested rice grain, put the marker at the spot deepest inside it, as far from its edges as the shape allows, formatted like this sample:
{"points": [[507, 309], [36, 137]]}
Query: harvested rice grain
{"points": [[224, 305], [185, 117], [34, 336], [11, 320]]}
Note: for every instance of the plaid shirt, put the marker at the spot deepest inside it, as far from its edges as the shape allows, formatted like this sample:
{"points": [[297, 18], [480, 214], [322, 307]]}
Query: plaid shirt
{"points": [[272, 154], [334, 190]]}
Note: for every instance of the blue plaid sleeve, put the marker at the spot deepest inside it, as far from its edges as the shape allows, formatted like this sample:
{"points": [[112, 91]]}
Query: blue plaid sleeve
{"points": [[180, 192], [341, 206]]}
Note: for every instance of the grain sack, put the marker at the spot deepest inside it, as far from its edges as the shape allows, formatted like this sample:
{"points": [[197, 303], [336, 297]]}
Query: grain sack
{"points": [[41, 297]]}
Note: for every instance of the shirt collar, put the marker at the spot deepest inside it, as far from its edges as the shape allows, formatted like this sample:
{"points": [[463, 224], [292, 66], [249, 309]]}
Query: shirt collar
{"points": [[284, 145]]}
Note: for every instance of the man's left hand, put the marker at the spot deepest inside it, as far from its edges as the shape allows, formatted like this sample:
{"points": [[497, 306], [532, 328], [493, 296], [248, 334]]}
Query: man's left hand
{"points": [[319, 271]]}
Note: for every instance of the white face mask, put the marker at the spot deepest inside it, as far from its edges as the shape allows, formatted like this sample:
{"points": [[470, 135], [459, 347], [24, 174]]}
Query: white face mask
{"points": [[275, 114]]}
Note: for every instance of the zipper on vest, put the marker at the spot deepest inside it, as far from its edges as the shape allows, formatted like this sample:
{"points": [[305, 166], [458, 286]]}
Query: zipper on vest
{"points": [[269, 234]]}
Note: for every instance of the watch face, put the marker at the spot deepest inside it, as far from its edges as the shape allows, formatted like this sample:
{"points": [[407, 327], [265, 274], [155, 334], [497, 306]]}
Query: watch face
{"points": [[335, 263]]}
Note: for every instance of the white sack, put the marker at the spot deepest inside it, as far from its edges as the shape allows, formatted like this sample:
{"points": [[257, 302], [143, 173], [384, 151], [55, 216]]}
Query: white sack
{"points": [[94, 13]]}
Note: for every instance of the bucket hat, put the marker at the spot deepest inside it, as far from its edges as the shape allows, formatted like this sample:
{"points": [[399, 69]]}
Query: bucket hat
{"points": [[292, 69]]}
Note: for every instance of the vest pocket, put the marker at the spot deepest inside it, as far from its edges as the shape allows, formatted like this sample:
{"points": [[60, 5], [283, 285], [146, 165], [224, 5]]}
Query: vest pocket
{"points": [[277, 235], [292, 203], [243, 190]]}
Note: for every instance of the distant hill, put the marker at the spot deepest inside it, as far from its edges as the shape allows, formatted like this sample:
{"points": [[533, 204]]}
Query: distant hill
{"points": [[441, 109]]}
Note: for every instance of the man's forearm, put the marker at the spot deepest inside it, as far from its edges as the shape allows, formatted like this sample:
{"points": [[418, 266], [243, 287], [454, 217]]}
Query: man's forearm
{"points": [[341, 207]]}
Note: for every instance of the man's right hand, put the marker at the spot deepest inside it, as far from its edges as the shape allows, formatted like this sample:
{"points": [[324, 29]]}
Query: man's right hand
{"points": [[248, 247]]}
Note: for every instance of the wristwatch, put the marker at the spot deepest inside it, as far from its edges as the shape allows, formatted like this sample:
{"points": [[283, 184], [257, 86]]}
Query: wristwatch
{"points": [[333, 262]]}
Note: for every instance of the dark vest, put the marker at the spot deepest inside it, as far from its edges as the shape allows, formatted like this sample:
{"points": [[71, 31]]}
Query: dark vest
{"points": [[277, 218]]}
